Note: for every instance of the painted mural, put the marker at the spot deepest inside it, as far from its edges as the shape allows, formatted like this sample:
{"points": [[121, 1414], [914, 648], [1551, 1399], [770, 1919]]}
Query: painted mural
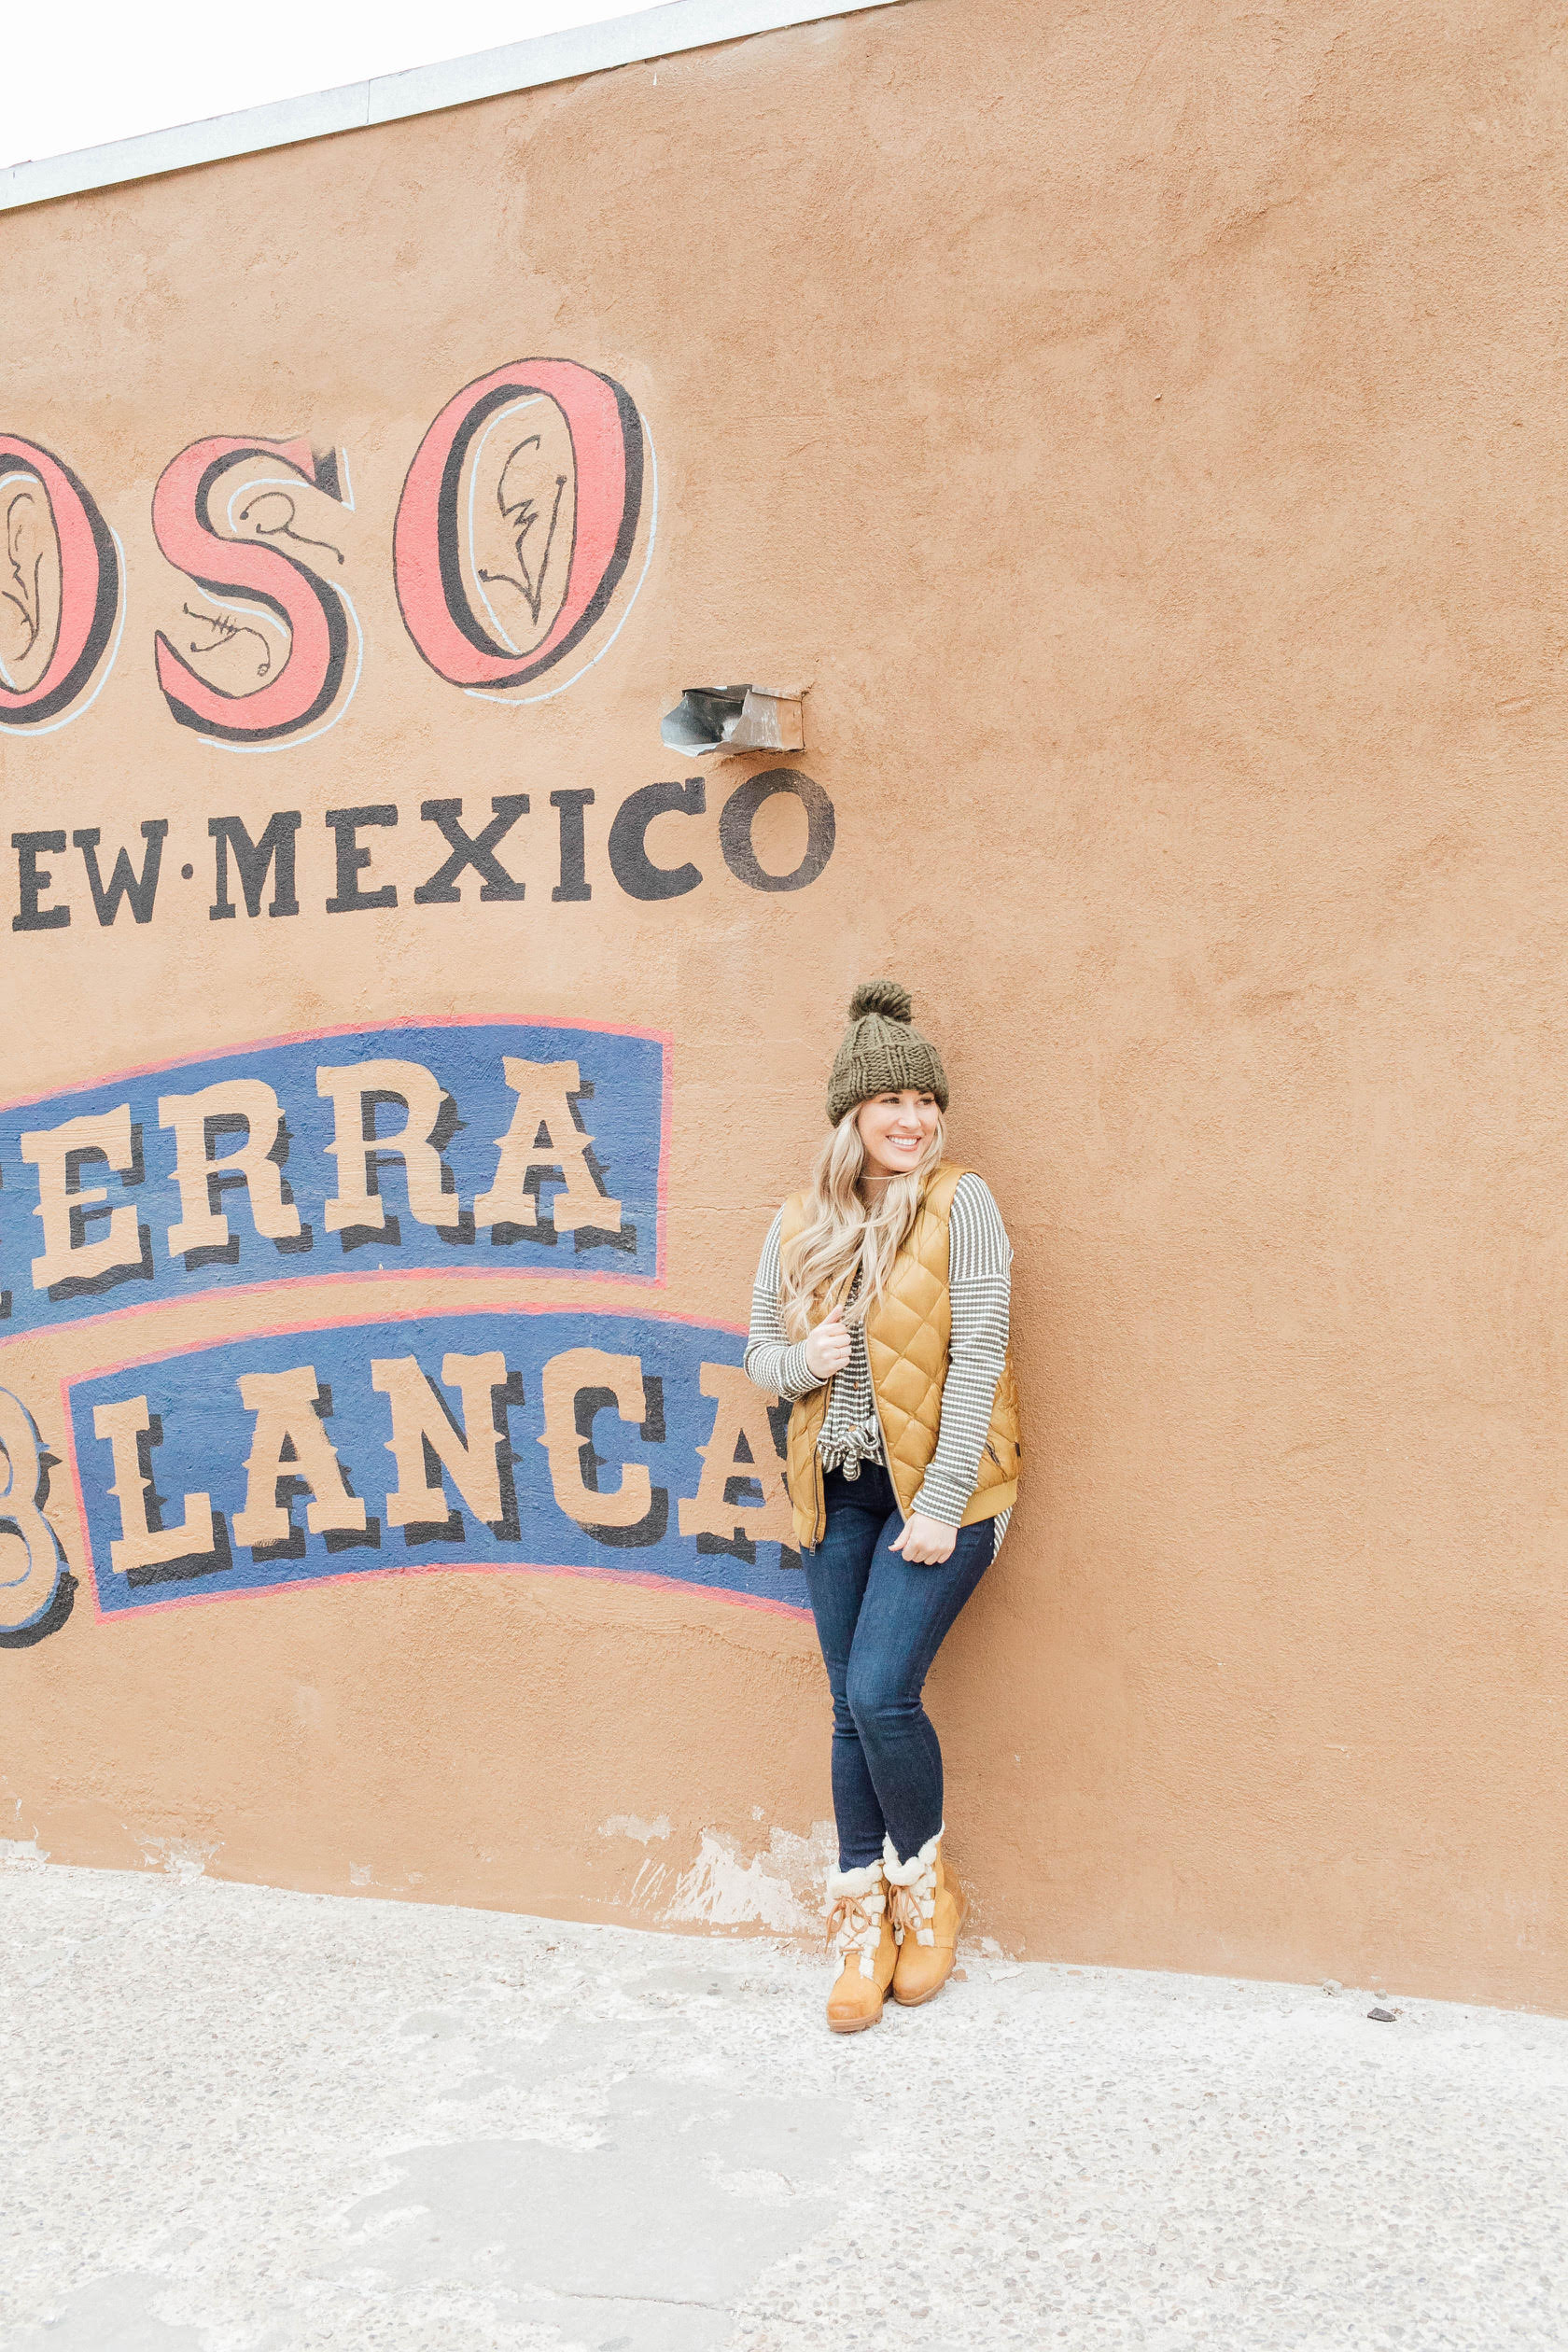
{"points": [[522, 512], [584, 1442], [255, 867], [523, 533], [459, 1145]]}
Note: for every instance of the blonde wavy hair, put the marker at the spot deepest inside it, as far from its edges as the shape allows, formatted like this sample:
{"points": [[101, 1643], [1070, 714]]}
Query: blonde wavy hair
{"points": [[845, 1233]]}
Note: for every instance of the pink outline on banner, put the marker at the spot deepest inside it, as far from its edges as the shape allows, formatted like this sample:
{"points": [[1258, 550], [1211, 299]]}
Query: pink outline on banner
{"points": [[656, 1280], [398, 1568]]}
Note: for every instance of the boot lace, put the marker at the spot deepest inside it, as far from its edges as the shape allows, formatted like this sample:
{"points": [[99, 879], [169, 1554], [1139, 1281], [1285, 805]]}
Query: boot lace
{"points": [[914, 1905], [855, 1924]]}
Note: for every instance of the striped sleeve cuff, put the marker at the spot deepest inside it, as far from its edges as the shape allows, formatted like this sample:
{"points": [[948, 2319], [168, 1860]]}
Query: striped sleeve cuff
{"points": [[795, 1377], [939, 1500], [777, 1366], [770, 1360]]}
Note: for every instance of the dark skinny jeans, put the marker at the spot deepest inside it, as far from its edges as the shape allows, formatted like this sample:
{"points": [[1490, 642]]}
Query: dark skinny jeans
{"points": [[881, 1620]]}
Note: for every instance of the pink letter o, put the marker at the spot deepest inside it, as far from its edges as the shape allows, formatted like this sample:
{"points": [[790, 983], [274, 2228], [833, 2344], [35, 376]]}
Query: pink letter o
{"points": [[89, 585], [607, 445]]}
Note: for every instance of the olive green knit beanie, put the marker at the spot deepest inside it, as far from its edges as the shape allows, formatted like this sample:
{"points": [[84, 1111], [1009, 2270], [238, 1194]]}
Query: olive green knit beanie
{"points": [[882, 1053]]}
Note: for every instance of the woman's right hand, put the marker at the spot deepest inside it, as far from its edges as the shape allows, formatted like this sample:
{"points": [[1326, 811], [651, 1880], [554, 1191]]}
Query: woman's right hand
{"points": [[827, 1349]]}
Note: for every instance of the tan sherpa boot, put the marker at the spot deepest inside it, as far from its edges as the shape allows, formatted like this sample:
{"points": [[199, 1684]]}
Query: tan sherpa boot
{"points": [[928, 1910], [857, 1919]]}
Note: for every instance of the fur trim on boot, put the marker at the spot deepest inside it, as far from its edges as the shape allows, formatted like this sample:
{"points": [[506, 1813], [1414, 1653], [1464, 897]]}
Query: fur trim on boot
{"points": [[928, 1910], [914, 1900], [858, 1924]]}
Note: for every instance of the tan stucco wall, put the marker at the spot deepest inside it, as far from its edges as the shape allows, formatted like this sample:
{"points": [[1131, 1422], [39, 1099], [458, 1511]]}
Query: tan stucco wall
{"points": [[1143, 430]]}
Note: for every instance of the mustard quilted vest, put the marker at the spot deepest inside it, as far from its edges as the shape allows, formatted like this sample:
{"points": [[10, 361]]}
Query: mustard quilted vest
{"points": [[907, 1343]]}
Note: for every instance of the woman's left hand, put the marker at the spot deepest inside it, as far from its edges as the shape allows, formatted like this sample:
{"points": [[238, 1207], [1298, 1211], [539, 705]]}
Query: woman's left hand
{"points": [[925, 1543]]}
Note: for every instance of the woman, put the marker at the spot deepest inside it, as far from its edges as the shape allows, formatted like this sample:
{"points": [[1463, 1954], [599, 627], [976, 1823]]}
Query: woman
{"points": [[881, 1310]]}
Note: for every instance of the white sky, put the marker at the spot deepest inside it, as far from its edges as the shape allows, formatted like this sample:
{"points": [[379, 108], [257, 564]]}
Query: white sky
{"points": [[76, 76]]}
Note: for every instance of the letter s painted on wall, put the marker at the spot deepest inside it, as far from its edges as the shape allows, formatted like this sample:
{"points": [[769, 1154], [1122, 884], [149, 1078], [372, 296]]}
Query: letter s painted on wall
{"points": [[517, 520], [59, 576], [319, 671]]}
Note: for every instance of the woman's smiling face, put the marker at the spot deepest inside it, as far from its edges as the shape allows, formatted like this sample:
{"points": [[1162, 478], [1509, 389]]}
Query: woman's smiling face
{"points": [[895, 1129]]}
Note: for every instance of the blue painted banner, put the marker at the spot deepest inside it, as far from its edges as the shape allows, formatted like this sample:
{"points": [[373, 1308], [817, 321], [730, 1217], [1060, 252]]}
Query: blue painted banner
{"points": [[471, 1147], [616, 1445]]}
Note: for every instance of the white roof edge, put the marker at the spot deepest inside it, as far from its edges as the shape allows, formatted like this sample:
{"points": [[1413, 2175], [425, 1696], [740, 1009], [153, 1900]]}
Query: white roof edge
{"points": [[549, 57]]}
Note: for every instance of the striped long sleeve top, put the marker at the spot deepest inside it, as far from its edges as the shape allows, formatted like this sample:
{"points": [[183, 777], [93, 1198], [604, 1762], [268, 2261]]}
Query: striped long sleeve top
{"points": [[980, 1285]]}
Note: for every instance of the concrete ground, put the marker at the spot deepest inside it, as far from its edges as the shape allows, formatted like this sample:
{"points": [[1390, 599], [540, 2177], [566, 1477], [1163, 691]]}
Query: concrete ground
{"points": [[239, 2121]]}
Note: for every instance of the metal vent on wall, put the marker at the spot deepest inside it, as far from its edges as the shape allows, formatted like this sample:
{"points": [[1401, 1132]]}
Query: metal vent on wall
{"points": [[710, 718]]}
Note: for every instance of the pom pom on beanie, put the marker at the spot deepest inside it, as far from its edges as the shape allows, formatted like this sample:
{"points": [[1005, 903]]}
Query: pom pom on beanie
{"points": [[887, 997], [883, 1053]]}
